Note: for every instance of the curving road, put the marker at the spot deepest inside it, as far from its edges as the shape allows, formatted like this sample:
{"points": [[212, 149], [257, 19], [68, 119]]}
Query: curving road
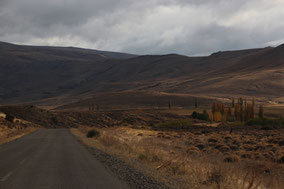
{"points": [[52, 159]]}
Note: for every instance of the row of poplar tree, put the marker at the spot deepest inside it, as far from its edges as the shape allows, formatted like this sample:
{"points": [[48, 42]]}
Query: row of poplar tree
{"points": [[240, 111]]}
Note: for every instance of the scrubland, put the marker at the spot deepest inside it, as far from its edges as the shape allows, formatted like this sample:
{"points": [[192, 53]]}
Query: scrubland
{"points": [[197, 155], [171, 146], [11, 131]]}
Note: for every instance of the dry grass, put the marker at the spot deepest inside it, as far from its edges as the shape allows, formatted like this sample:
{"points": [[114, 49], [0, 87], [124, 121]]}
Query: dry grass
{"points": [[195, 160], [10, 132], [8, 135]]}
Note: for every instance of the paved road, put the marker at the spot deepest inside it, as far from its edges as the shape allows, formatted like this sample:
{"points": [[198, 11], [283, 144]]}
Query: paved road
{"points": [[52, 159]]}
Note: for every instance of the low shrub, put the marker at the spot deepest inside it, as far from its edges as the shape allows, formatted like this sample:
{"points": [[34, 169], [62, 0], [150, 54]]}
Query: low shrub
{"points": [[201, 116], [10, 118], [93, 133], [200, 146], [205, 131], [213, 140], [231, 158], [267, 128], [142, 157], [151, 124], [54, 120], [281, 160]]}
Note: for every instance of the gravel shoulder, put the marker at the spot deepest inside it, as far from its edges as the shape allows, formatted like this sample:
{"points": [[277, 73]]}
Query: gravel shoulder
{"points": [[124, 171]]}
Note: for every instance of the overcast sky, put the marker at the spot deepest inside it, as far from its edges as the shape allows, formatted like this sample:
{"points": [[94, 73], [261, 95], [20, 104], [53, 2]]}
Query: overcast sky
{"points": [[190, 27]]}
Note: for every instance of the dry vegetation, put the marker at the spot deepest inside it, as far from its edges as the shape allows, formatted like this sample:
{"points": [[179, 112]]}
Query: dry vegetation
{"points": [[199, 156], [190, 153], [171, 146], [11, 131]]}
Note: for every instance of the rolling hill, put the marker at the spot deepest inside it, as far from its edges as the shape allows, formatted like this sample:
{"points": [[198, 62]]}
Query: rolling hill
{"points": [[63, 75]]}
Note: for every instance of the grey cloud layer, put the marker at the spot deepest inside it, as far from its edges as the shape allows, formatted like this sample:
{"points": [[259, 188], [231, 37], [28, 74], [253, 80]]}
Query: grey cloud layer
{"points": [[191, 27]]}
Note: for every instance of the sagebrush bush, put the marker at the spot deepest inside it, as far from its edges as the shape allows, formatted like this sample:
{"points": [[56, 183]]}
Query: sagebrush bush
{"points": [[142, 157], [54, 120], [10, 118], [201, 116], [93, 133]]}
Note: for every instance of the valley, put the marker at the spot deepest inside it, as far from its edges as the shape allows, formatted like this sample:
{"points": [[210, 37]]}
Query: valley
{"points": [[175, 121], [71, 74]]}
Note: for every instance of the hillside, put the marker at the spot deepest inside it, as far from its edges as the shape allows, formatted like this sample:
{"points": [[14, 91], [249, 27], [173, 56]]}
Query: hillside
{"points": [[33, 73], [61, 75]]}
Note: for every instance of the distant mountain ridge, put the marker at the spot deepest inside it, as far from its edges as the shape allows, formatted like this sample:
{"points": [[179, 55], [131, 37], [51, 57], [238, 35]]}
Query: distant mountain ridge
{"points": [[65, 74], [107, 54]]}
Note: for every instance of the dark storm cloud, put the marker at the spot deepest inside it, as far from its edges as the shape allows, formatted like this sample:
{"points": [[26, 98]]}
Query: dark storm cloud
{"points": [[191, 27]]}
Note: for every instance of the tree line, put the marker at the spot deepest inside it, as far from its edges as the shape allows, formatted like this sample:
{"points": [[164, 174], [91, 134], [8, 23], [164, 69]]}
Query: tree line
{"points": [[240, 111]]}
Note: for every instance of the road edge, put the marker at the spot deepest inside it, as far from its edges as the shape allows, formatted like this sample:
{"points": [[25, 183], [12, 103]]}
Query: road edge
{"points": [[124, 171]]}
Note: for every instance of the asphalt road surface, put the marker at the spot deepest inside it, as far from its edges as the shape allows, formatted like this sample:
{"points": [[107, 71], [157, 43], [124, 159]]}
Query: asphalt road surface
{"points": [[52, 159]]}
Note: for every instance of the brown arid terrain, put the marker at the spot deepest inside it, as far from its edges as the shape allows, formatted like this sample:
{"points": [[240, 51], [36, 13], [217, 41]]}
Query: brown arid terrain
{"points": [[202, 157], [168, 116], [169, 145], [200, 154], [11, 131], [66, 119]]}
